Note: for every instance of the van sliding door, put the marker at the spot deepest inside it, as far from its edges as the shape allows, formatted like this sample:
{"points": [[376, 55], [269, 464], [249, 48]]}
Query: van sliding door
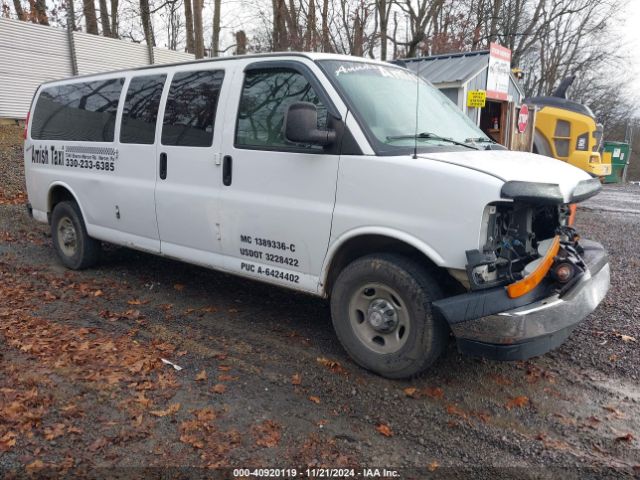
{"points": [[188, 167]]}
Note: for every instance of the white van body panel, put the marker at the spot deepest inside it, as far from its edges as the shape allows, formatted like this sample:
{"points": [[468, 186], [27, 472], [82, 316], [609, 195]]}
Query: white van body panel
{"points": [[438, 204], [522, 166], [276, 214]]}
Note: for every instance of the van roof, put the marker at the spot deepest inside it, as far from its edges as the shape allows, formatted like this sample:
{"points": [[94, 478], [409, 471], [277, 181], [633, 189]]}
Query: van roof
{"points": [[310, 55]]}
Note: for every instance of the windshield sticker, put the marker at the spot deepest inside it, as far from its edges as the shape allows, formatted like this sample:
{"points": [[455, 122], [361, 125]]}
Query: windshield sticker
{"points": [[379, 70]]}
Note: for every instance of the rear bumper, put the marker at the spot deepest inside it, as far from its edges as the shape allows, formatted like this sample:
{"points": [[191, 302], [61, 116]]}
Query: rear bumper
{"points": [[530, 329]]}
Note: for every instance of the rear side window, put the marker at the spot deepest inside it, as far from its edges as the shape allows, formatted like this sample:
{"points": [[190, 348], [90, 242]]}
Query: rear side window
{"points": [[79, 111], [140, 112], [266, 95], [191, 108]]}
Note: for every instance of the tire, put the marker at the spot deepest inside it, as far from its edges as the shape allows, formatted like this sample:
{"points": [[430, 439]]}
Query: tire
{"points": [[74, 246], [381, 312]]}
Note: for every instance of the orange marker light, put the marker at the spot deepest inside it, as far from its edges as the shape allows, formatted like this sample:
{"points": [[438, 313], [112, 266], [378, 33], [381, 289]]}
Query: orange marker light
{"points": [[531, 281], [572, 214]]}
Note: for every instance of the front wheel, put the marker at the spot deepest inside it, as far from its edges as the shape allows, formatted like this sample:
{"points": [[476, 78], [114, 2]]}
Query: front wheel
{"points": [[381, 312], [74, 246]]}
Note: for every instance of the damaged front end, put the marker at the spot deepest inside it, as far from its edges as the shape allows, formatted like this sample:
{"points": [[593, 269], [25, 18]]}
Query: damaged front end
{"points": [[522, 243], [529, 273]]}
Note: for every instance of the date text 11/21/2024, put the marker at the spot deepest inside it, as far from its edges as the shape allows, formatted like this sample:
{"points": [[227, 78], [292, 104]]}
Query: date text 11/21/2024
{"points": [[315, 473]]}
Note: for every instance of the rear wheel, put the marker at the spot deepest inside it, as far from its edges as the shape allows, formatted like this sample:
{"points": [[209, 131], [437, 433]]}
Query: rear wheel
{"points": [[381, 311], [72, 243]]}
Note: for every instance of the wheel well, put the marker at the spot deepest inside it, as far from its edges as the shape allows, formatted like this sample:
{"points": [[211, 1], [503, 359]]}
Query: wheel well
{"points": [[360, 246], [56, 195]]}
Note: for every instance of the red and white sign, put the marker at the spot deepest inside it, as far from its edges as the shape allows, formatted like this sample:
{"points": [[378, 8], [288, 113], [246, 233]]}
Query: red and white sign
{"points": [[498, 72], [523, 118]]}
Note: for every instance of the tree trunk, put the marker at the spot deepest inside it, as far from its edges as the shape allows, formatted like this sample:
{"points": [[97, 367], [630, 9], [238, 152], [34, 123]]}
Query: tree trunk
{"points": [[493, 29], [89, 10], [358, 37], [197, 29], [188, 18], [145, 18], [114, 18], [279, 25], [241, 42], [383, 18], [19, 10], [41, 12], [326, 45], [104, 18], [310, 34], [215, 40], [71, 16]]}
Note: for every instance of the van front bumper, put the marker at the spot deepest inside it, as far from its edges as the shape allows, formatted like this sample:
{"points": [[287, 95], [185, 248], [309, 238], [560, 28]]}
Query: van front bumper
{"points": [[534, 324]]}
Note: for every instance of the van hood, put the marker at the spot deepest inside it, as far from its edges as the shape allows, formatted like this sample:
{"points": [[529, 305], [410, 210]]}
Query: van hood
{"points": [[519, 168]]}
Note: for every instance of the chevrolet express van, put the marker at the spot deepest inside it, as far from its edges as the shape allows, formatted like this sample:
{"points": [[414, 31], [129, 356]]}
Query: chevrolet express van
{"points": [[341, 177]]}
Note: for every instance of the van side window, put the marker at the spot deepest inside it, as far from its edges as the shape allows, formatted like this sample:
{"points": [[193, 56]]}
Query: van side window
{"points": [[84, 111], [141, 109], [191, 108], [266, 95]]}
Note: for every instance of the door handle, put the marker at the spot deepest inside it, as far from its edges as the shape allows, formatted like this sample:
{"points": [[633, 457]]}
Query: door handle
{"points": [[227, 168], [163, 166]]}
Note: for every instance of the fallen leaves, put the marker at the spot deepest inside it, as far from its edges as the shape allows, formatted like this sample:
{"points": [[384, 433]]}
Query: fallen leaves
{"points": [[7, 441], [332, 365], [457, 411], [171, 410], [296, 379], [431, 392], [517, 402], [51, 433], [433, 466], [384, 429], [626, 338], [411, 392], [219, 388], [315, 400], [202, 376], [267, 433], [627, 437]]}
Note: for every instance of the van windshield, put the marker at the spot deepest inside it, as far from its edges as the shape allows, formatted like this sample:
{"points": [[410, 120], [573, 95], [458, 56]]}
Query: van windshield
{"points": [[384, 97]]}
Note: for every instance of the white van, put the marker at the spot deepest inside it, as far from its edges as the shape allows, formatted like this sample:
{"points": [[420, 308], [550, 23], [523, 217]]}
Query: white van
{"points": [[337, 176]]}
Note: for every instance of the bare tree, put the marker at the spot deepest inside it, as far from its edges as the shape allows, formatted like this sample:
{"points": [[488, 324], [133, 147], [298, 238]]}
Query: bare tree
{"points": [[188, 18], [215, 40], [104, 18], [145, 19], [17, 4], [241, 42], [91, 22], [114, 18], [198, 35]]}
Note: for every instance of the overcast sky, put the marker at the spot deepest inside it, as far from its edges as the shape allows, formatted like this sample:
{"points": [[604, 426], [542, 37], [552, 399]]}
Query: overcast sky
{"points": [[630, 30]]}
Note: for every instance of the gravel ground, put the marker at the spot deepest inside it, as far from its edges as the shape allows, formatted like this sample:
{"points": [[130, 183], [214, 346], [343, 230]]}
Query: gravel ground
{"points": [[264, 381]]}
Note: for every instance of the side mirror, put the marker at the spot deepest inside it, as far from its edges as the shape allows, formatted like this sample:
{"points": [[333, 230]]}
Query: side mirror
{"points": [[301, 125]]}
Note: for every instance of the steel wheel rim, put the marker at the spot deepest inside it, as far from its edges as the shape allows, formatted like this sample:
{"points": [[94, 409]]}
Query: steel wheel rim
{"points": [[67, 237], [379, 318]]}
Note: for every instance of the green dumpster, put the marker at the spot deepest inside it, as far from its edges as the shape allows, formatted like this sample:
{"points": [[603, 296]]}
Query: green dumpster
{"points": [[619, 153]]}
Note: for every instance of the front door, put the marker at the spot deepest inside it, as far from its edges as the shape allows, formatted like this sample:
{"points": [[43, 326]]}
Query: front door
{"points": [[278, 197], [188, 185]]}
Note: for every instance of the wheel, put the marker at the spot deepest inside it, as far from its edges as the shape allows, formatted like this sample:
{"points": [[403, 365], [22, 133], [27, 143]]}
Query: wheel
{"points": [[74, 247], [381, 312]]}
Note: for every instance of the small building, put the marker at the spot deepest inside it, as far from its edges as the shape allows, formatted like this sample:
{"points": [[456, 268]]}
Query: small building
{"points": [[471, 77], [31, 54]]}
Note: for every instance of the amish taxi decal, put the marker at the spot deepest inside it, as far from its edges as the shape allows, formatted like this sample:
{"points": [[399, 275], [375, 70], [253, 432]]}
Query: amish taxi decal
{"points": [[84, 157]]}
